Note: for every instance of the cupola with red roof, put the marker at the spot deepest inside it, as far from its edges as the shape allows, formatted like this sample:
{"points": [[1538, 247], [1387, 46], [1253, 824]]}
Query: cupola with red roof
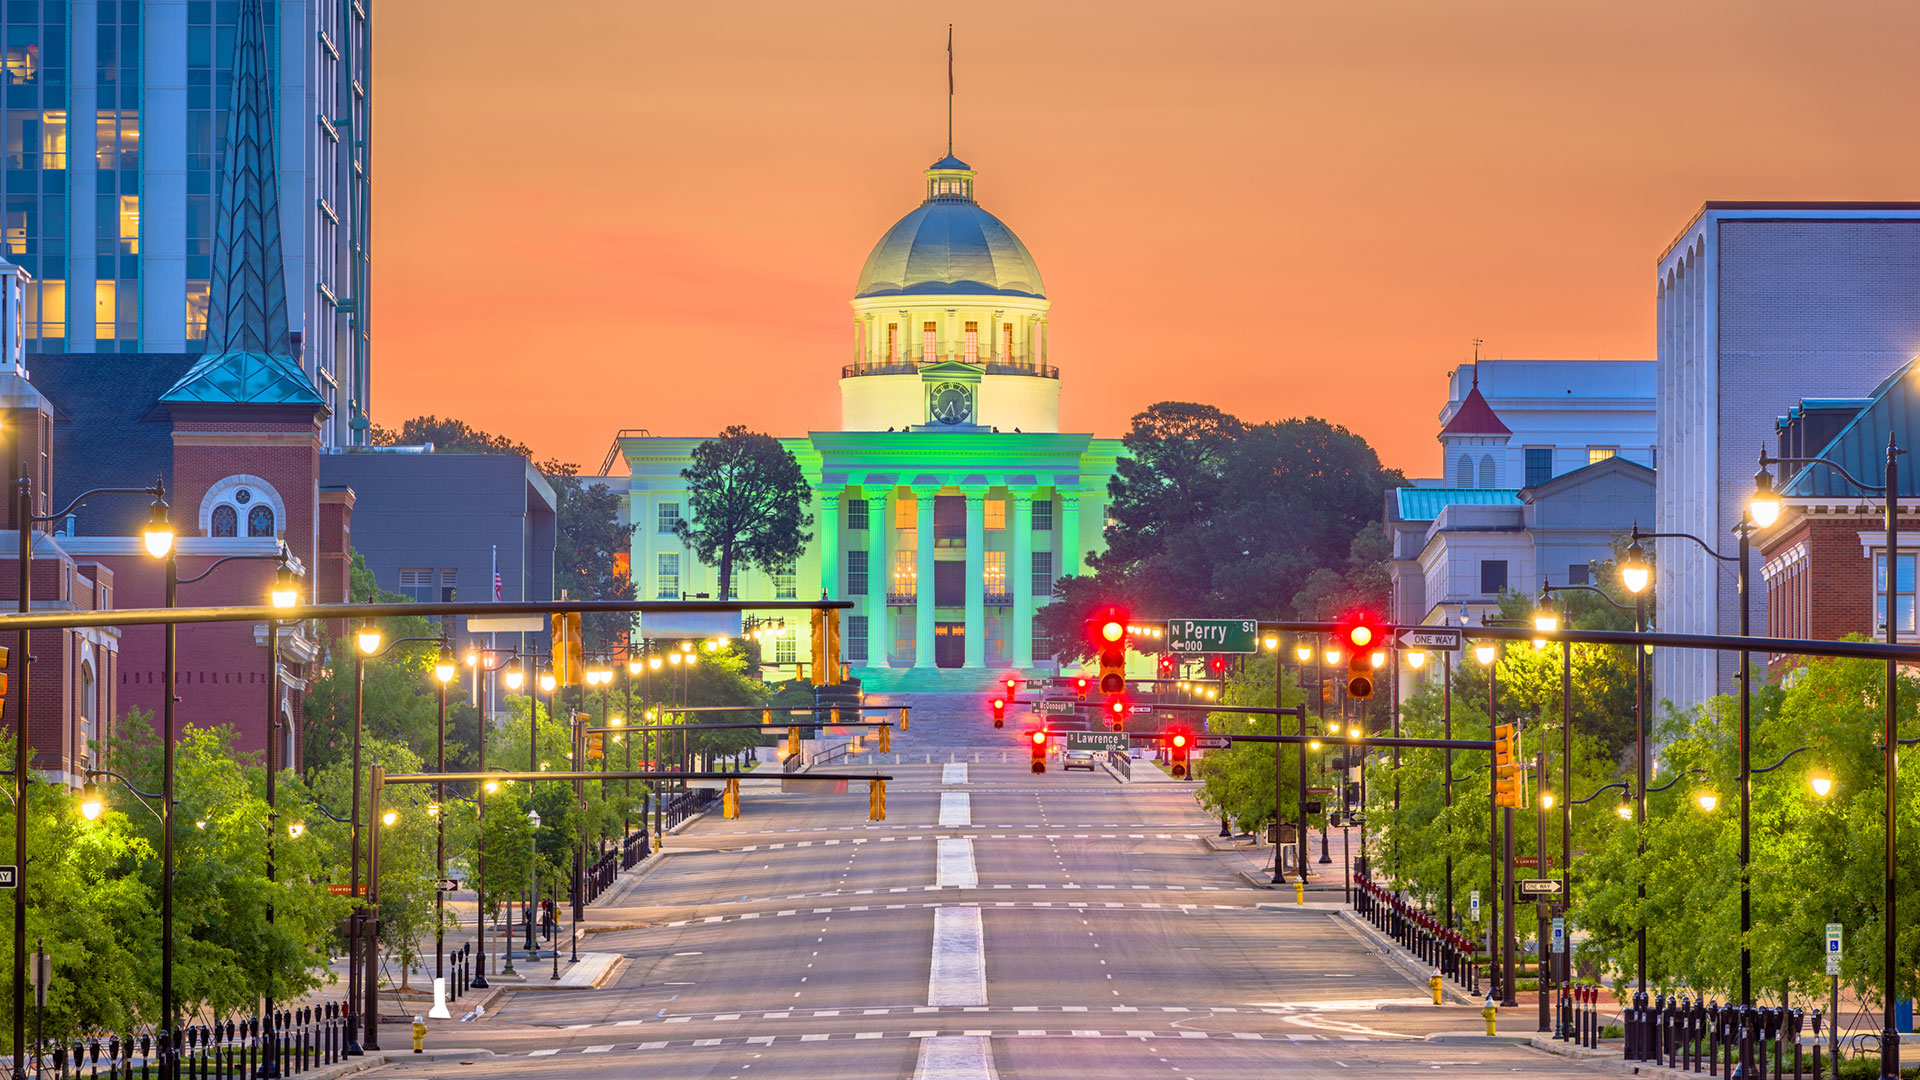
{"points": [[1473, 441]]}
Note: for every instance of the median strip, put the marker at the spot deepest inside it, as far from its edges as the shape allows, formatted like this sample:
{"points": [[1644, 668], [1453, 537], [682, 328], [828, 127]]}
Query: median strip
{"points": [[954, 1057], [955, 865], [956, 808], [959, 972]]}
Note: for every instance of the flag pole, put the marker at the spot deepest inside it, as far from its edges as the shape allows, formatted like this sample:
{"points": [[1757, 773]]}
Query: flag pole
{"points": [[949, 89]]}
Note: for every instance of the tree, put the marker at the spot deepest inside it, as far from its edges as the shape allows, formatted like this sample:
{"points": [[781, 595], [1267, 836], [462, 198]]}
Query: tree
{"points": [[448, 436], [590, 557], [748, 499]]}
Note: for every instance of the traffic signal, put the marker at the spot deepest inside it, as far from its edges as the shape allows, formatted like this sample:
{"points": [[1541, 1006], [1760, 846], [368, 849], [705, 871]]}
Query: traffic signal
{"points": [[876, 800], [1509, 788], [1360, 639], [1117, 713], [1109, 634], [596, 747], [1217, 666], [1039, 747], [999, 712], [826, 647], [1013, 688], [569, 663], [1167, 665], [1079, 687], [1178, 747], [4, 653]]}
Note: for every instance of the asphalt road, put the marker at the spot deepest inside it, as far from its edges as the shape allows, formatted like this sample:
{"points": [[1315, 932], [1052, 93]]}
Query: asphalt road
{"points": [[1085, 930]]}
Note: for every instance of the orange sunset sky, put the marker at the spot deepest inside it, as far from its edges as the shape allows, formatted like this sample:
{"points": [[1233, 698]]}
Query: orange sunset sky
{"points": [[603, 214]]}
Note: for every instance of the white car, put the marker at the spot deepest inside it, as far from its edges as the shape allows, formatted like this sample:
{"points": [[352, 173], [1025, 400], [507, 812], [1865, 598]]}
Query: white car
{"points": [[1080, 759]]}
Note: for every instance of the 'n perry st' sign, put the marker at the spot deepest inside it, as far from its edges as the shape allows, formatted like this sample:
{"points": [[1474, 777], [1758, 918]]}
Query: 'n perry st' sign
{"points": [[1212, 636]]}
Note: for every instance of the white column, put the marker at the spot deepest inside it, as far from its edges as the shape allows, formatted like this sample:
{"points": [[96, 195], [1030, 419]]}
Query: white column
{"points": [[1020, 569], [976, 654], [879, 580], [163, 178], [923, 587], [828, 544], [1069, 532]]}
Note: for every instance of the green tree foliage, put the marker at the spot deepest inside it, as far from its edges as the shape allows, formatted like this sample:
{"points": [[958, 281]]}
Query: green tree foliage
{"points": [[1239, 783], [1216, 517], [590, 554], [748, 499], [448, 436]]}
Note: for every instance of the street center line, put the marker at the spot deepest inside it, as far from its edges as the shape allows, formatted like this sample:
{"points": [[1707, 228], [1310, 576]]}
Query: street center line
{"points": [[956, 808], [953, 774], [954, 1057], [956, 869], [959, 972]]}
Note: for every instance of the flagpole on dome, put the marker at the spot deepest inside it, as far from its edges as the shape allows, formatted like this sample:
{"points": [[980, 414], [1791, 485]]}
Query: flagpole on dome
{"points": [[949, 89]]}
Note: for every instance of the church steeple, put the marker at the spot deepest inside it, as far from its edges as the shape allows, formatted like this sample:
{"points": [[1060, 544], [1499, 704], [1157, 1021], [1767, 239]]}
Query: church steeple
{"points": [[248, 357]]}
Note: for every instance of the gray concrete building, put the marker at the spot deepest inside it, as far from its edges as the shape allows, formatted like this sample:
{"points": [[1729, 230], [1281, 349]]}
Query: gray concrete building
{"points": [[1758, 306], [433, 524]]}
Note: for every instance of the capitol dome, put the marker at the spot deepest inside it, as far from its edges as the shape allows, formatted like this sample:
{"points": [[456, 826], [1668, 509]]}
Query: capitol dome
{"points": [[950, 246]]}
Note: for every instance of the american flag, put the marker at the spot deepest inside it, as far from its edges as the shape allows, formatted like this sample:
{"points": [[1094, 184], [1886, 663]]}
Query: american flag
{"points": [[496, 586]]}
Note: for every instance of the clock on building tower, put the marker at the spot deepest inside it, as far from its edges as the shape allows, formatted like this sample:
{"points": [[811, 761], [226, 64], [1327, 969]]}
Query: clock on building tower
{"points": [[950, 403]]}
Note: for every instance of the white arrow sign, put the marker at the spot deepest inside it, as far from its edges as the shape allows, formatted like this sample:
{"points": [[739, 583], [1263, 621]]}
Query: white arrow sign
{"points": [[1429, 638]]}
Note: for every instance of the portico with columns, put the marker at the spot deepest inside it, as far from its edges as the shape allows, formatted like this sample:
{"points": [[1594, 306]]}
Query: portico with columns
{"points": [[950, 500]]}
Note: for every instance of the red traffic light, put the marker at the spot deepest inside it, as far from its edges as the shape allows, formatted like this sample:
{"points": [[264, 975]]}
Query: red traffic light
{"points": [[1112, 630], [999, 708], [1040, 738], [1080, 687], [1217, 665], [1119, 707], [1360, 631], [1012, 687], [1179, 738]]}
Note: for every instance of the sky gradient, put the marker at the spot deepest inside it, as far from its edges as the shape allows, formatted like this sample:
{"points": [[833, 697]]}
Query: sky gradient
{"points": [[651, 216]]}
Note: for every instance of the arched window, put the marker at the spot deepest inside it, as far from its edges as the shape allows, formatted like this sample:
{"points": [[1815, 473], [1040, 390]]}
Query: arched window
{"points": [[242, 505], [1487, 476], [226, 521], [260, 520], [1463, 472], [90, 738]]}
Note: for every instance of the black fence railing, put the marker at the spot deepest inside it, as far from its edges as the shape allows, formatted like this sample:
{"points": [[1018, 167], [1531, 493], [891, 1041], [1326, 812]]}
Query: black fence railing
{"points": [[295, 1040], [633, 849], [685, 804], [1449, 951], [1695, 1035]]}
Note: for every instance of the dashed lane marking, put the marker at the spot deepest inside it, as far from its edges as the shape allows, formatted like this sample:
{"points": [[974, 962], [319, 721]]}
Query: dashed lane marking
{"points": [[931, 1035]]}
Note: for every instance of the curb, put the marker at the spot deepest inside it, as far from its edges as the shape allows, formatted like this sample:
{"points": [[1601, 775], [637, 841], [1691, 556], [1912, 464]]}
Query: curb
{"points": [[381, 1058], [1563, 1049], [1399, 958]]}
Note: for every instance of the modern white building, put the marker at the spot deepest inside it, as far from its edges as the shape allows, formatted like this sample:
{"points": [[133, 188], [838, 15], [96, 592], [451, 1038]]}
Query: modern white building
{"points": [[1758, 306], [950, 500], [115, 118], [1543, 462]]}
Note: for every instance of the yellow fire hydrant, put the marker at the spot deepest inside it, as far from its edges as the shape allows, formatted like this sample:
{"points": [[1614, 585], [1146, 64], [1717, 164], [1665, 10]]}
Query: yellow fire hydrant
{"points": [[1487, 1012], [1299, 892], [419, 1033], [1433, 984]]}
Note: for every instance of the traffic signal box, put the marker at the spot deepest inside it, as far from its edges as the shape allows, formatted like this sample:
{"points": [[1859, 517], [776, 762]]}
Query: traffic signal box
{"points": [[596, 747], [886, 739], [730, 800], [569, 663], [876, 800], [1361, 640], [827, 670], [1109, 635], [1179, 747], [1509, 786], [1217, 666], [1080, 686], [1117, 713], [1038, 743], [999, 712], [4, 653]]}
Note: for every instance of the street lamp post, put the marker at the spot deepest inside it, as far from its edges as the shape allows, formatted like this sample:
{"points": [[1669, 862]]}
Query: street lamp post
{"points": [[443, 673], [1303, 652], [158, 538], [1763, 509], [1500, 845]]}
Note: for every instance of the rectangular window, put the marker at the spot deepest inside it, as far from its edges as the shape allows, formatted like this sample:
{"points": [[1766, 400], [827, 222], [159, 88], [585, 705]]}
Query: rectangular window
{"points": [[1042, 574], [669, 516], [903, 631], [104, 309], [1903, 601], [1043, 515], [856, 639], [856, 573], [906, 515], [449, 582], [784, 587], [1598, 454], [198, 295], [417, 585], [129, 224], [1539, 465], [994, 511], [893, 343], [996, 639], [949, 520], [973, 343], [995, 573], [1042, 645], [857, 515], [929, 344], [783, 650], [1578, 574], [1006, 343], [906, 573], [1493, 576], [667, 577]]}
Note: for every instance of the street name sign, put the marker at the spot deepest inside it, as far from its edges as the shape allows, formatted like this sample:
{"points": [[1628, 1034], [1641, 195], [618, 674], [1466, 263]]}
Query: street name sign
{"points": [[1212, 742], [1531, 887], [1428, 638], [1055, 708], [1097, 740], [9, 877], [1212, 636], [1833, 948], [447, 884], [1531, 861]]}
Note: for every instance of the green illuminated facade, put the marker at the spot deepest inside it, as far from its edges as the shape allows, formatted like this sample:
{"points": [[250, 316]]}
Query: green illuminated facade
{"points": [[949, 501]]}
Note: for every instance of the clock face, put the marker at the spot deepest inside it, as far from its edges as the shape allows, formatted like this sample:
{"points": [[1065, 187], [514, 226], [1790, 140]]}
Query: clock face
{"points": [[951, 403]]}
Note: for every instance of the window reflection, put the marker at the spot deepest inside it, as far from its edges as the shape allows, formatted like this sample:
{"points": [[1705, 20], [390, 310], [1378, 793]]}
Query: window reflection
{"points": [[23, 64], [197, 295]]}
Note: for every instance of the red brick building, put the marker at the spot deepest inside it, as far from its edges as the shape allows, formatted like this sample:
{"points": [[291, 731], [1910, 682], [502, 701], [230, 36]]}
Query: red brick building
{"points": [[1824, 566]]}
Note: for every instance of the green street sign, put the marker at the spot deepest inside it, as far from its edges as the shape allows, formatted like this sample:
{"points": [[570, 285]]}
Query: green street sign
{"points": [[1097, 740], [1212, 636], [1055, 708]]}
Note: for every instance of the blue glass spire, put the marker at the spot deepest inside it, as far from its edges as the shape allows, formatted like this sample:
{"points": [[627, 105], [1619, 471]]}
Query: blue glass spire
{"points": [[248, 358]]}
